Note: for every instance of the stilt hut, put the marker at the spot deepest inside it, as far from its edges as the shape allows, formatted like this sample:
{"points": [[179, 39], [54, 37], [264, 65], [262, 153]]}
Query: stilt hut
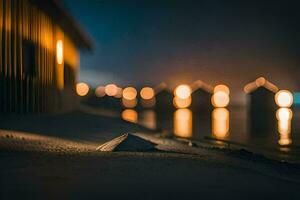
{"points": [[261, 105]]}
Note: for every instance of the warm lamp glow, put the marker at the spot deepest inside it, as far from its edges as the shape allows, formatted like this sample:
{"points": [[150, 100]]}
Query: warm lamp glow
{"points": [[220, 122], [220, 99], [284, 98], [111, 90], [183, 123], [182, 103], [183, 91], [222, 88], [119, 93], [100, 91], [59, 52], [284, 116], [147, 93], [148, 103], [284, 141], [129, 93], [82, 89], [130, 115], [129, 103]]}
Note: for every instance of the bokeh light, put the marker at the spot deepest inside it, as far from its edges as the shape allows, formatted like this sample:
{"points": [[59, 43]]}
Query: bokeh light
{"points": [[82, 89], [284, 114], [183, 91], [129, 93], [129, 103], [182, 103], [111, 90], [222, 88], [148, 103], [100, 91], [284, 98], [130, 115], [183, 123], [119, 93], [220, 123], [220, 99], [147, 93]]}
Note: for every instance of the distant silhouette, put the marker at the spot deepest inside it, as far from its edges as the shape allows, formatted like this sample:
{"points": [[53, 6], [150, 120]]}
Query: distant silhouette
{"points": [[164, 101], [201, 97], [261, 107]]}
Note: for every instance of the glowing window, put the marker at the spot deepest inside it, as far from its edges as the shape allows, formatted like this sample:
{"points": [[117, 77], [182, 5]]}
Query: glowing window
{"points": [[59, 52]]}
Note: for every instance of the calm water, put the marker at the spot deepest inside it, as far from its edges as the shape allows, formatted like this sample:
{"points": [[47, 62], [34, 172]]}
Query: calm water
{"points": [[280, 135]]}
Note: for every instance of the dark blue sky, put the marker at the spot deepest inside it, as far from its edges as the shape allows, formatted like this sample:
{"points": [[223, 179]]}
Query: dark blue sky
{"points": [[149, 41]]}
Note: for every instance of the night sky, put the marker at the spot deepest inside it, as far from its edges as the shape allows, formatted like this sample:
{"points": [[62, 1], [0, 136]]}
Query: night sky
{"points": [[177, 41]]}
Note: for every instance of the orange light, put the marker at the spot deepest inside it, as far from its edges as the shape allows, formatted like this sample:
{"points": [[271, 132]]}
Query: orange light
{"points": [[111, 90], [119, 93], [59, 52], [147, 93], [222, 88], [220, 122], [82, 89], [284, 98], [183, 91], [284, 116], [129, 103], [148, 103], [183, 123], [220, 99], [129, 93], [100, 91], [130, 115], [182, 103]]}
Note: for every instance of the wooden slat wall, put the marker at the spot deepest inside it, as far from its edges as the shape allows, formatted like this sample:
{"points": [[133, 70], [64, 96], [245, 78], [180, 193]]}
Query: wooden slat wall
{"points": [[22, 92]]}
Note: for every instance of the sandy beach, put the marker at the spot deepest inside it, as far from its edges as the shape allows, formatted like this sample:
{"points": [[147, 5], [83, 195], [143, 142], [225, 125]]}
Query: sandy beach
{"points": [[57, 159]]}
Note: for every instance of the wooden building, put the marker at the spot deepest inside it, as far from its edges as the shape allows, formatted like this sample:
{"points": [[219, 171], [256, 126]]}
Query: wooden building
{"points": [[201, 97], [39, 56], [261, 105]]}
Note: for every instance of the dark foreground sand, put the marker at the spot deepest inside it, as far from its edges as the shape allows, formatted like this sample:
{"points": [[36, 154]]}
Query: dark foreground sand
{"points": [[44, 166]]}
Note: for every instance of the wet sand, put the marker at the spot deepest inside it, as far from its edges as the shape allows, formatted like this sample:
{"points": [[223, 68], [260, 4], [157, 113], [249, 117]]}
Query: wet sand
{"points": [[53, 165]]}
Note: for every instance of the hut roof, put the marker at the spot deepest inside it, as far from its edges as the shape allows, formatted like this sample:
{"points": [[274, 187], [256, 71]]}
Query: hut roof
{"points": [[260, 82], [201, 85], [56, 11]]}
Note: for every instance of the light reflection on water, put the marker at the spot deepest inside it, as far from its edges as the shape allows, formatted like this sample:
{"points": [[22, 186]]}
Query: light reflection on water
{"points": [[220, 123], [130, 115], [147, 118], [183, 123], [284, 117]]}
